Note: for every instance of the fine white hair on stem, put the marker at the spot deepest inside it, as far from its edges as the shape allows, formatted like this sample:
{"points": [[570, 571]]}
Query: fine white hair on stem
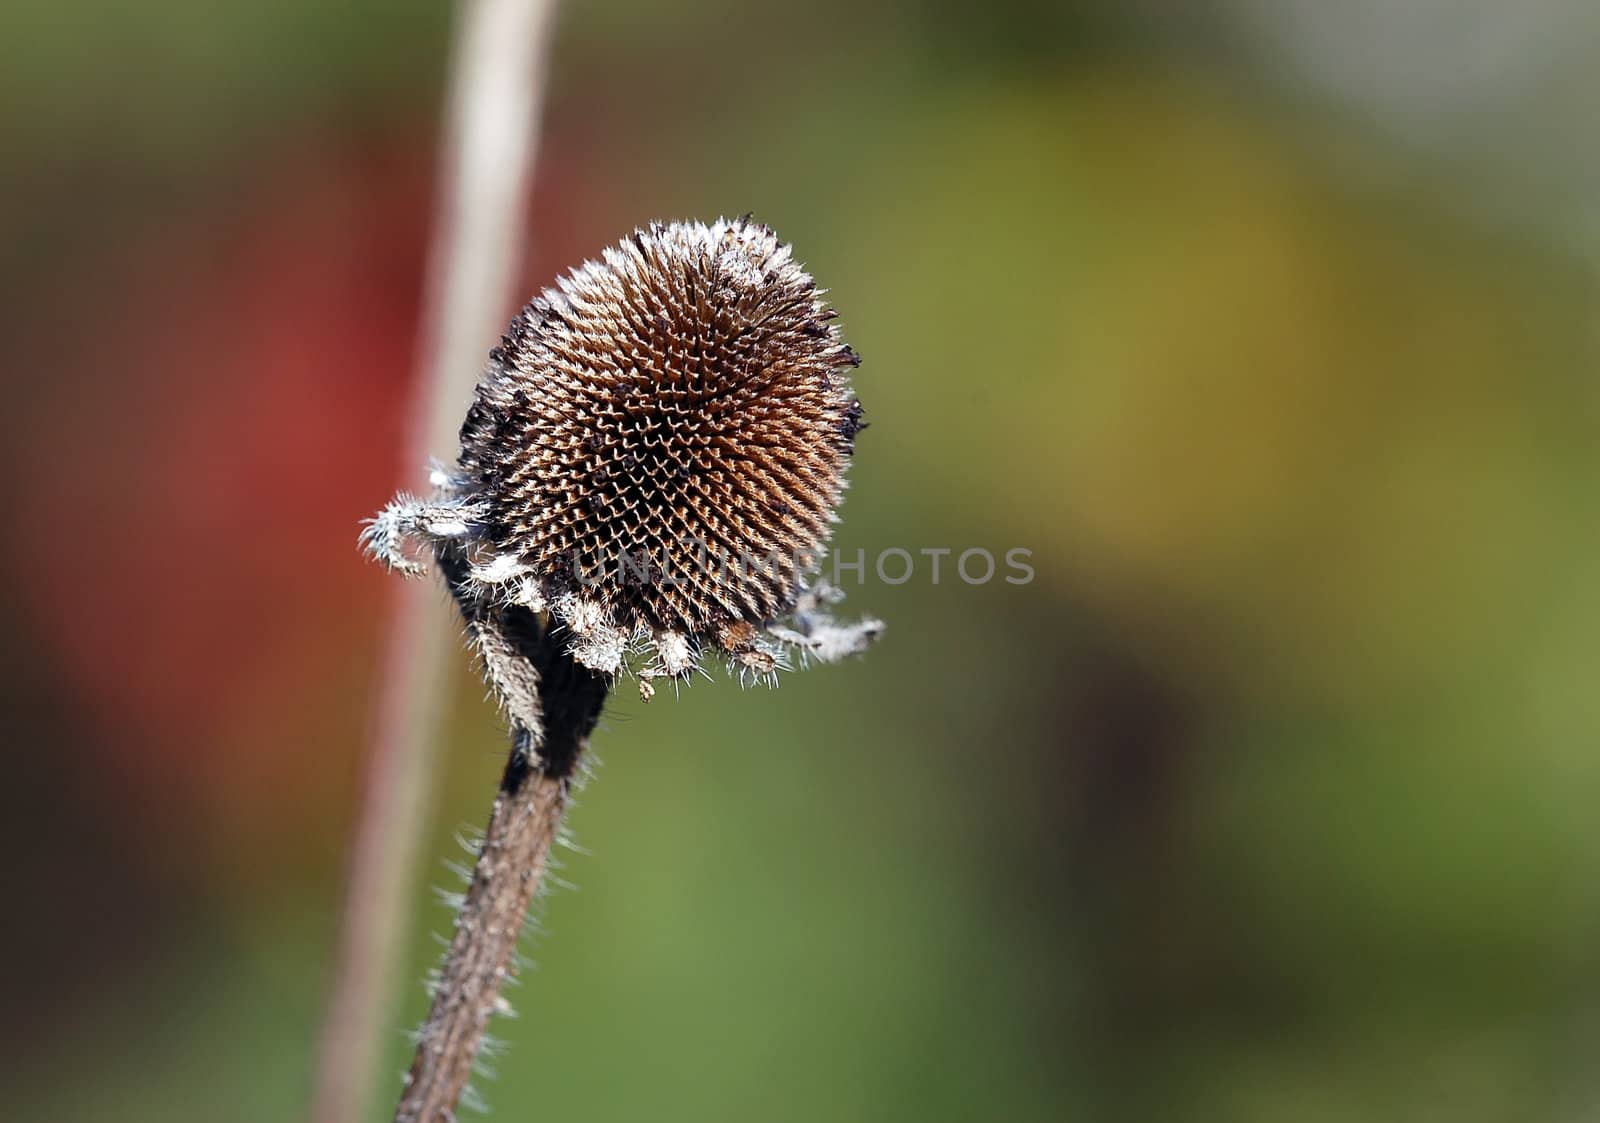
{"points": [[497, 77]]}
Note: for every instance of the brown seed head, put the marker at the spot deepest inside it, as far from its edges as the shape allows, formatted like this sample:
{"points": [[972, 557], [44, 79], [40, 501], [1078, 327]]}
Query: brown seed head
{"points": [[657, 430]]}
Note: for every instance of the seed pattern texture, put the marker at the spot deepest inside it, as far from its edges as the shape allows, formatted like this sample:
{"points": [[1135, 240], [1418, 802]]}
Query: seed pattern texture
{"points": [[654, 433]]}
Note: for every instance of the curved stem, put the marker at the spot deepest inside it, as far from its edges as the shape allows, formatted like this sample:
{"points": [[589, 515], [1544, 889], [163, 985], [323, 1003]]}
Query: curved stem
{"points": [[548, 739], [522, 827]]}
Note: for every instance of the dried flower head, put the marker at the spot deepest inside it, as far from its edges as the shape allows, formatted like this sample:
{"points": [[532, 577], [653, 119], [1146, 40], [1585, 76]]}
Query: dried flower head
{"points": [[656, 454]]}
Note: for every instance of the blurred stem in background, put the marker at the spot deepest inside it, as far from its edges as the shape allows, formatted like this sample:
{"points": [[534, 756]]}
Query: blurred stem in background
{"points": [[496, 83]]}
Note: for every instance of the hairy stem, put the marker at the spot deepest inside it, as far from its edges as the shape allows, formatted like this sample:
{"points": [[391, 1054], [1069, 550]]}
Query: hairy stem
{"points": [[550, 730], [496, 81], [522, 827]]}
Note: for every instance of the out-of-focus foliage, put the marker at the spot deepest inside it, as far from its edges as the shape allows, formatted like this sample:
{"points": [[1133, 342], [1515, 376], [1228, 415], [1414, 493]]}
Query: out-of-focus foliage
{"points": [[1270, 798]]}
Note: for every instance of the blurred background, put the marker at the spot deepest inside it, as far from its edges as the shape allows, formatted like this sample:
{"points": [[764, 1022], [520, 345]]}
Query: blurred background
{"points": [[1268, 327]]}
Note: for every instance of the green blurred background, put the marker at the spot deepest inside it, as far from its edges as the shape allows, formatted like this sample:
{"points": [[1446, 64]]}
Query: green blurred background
{"points": [[1270, 330]]}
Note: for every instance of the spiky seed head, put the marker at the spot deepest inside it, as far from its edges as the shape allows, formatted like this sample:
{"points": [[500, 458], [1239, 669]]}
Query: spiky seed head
{"points": [[658, 440]]}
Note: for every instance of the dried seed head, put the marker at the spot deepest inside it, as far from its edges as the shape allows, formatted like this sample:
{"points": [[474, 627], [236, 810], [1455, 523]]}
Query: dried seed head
{"points": [[659, 445]]}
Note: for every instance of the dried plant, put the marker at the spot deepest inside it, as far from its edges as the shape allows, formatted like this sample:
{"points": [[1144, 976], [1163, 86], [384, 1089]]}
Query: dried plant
{"points": [[649, 472]]}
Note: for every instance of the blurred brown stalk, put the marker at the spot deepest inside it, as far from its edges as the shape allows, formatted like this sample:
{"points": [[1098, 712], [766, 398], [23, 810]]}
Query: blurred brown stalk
{"points": [[495, 88]]}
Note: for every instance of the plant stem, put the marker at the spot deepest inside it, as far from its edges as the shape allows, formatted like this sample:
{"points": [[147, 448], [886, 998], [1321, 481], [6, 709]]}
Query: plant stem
{"points": [[523, 824], [496, 83], [522, 827]]}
